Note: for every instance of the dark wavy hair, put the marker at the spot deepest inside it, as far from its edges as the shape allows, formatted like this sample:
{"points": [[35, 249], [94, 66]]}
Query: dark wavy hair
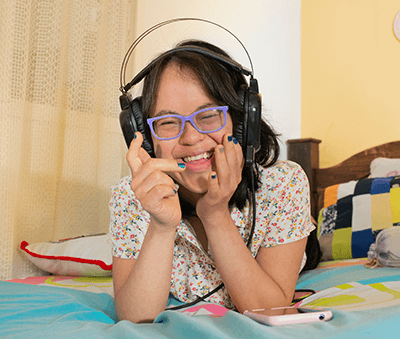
{"points": [[222, 83]]}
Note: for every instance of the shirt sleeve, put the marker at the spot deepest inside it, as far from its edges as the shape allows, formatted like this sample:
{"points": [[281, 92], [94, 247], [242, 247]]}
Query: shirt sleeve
{"points": [[128, 221], [286, 205]]}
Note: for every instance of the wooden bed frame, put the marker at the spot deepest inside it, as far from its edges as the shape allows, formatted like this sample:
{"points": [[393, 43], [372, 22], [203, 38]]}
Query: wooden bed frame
{"points": [[306, 153]]}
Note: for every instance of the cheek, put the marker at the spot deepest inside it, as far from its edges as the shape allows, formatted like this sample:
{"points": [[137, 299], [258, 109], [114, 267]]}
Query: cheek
{"points": [[162, 149], [228, 129], [158, 151], [157, 147]]}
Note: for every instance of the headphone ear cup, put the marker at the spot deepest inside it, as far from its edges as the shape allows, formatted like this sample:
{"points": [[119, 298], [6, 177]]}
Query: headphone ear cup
{"points": [[239, 128], [131, 120], [137, 114]]}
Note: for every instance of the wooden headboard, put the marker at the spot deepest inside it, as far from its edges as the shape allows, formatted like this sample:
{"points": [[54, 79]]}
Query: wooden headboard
{"points": [[306, 153]]}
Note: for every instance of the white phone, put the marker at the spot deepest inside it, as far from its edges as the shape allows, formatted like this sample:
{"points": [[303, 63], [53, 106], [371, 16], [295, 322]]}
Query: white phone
{"points": [[288, 315]]}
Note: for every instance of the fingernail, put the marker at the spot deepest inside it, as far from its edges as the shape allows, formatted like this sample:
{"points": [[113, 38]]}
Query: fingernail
{"points": [[230, 138], [221, 150], [181, 165], [134, 135], [213, 176], [175, 191], [235, 141]]}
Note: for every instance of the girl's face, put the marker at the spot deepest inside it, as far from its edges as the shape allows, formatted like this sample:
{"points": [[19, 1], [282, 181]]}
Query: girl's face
{"points": [[181, 93]]}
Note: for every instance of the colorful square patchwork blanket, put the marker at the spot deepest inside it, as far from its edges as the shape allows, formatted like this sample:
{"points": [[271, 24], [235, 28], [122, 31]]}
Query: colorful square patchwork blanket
{"points": [[354, 213]]}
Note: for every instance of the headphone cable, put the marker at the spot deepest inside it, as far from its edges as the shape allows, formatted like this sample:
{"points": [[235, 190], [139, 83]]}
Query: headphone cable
{"points": [[249, 241]]}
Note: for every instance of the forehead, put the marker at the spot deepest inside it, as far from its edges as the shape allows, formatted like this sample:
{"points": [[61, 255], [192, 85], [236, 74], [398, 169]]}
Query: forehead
{"points": [[180, 73], [179, 90]]}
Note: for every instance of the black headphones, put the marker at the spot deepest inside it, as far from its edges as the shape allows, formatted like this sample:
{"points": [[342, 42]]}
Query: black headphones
{"points": [[131, 117]]}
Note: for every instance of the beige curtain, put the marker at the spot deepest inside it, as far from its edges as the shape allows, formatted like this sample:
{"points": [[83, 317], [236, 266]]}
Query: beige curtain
{"points": [[61, 147]]}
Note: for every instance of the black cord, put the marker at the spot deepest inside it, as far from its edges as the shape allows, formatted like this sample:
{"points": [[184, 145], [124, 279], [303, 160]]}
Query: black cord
{"points": [[197, 300], [215, 290], [253, 201]]}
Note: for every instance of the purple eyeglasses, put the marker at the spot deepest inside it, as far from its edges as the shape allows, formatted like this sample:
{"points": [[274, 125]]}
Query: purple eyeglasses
{"points": [[208, 120]]}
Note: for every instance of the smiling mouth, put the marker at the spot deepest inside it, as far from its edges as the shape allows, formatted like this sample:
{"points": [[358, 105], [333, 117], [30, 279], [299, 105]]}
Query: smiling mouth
{"points": [[205, 155]]}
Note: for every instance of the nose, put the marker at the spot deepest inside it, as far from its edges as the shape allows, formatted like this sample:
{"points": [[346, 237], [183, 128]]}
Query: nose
{"points": [[190, 135]]}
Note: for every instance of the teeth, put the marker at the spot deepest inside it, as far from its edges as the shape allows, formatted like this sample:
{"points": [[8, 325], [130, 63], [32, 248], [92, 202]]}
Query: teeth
{"points": [[206, 155]]}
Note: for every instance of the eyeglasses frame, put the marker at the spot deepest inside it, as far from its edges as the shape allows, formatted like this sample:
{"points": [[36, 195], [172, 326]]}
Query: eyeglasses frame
{"points": [[190, 117]]}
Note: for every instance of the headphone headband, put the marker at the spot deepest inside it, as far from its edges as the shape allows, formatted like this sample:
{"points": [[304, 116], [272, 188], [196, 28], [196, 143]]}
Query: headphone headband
{"points": [[125, 87], [145, 71]]}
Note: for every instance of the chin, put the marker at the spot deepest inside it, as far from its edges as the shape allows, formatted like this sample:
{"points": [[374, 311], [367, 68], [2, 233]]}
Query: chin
{"points": [[195, 186]]}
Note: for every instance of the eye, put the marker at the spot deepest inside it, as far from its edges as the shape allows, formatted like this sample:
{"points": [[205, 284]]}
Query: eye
{"points": [[210, 117], [167, 122]]}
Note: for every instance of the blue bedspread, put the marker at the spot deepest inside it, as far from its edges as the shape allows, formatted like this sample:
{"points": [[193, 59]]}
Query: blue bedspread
{"points": [[29, 311]]}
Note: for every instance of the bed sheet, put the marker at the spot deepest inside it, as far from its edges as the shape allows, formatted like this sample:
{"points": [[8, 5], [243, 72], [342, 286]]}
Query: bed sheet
{"points": [[45, 310]]}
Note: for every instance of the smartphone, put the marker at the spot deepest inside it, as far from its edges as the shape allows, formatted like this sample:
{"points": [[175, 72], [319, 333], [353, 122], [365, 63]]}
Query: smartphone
{"points": [[288, 315]]}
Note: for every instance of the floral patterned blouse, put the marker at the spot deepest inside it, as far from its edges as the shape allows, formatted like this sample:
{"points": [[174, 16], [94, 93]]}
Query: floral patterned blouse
{"points": [[283, 216]]}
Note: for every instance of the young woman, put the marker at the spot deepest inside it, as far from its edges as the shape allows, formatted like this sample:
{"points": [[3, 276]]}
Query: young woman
{"points": [[180, 223]]}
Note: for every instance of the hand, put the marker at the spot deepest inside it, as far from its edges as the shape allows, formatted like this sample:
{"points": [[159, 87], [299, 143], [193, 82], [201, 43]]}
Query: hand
{"points": [[155, 190], [222, 183]]}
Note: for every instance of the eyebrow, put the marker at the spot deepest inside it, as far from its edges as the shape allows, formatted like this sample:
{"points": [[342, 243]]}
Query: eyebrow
{"points": [[165, 112]]}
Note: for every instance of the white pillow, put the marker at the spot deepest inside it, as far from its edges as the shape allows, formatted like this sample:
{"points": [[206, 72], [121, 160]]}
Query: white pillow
{"points": [[387, 247], [384, 167], [82, 256]]}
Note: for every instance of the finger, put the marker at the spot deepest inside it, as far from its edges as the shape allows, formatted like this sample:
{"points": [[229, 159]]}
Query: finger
{"points": [[228, 161], [239, 153], [143, 155], [226, 155], [234, 156], [231, 149], [142, 187], [160, 202], [161, 192], [154, 171], [164, 165], [213, 186], [222, 166], [132, 156]]}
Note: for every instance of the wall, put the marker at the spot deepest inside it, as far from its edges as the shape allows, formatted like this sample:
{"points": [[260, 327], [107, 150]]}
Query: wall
{"points": [[269, 29], [350, 75]]}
